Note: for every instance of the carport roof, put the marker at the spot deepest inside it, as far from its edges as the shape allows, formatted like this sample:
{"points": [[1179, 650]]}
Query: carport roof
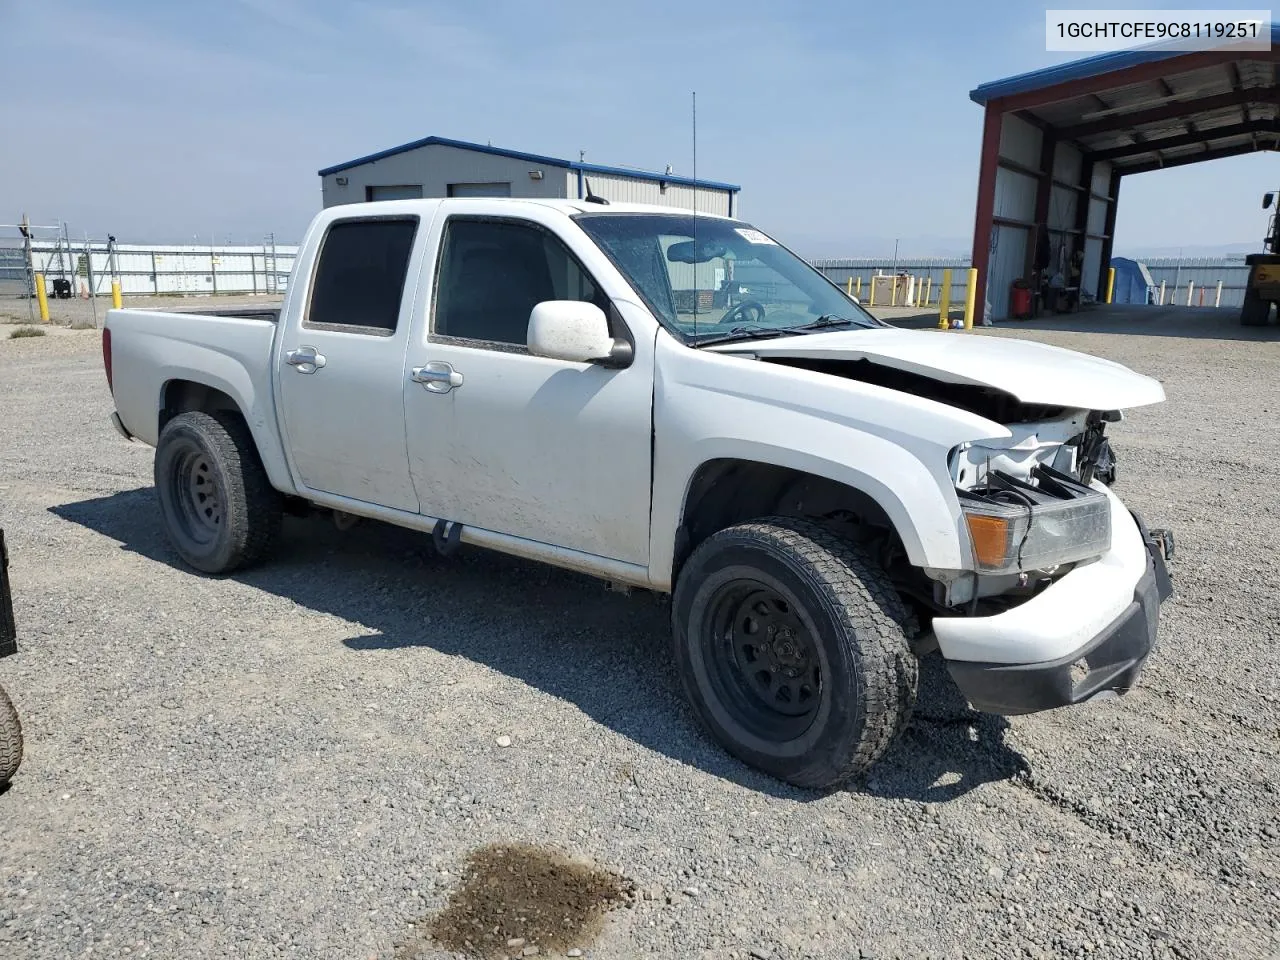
{"points": [[1148, 109]]}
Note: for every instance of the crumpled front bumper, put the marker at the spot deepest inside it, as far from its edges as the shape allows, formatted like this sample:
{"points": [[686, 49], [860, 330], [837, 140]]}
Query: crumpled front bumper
{"points": [[1109, 659], [8, 629]]}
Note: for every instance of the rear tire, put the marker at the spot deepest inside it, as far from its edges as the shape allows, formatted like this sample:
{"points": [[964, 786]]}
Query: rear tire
{"points": [[1256, 312], [220, 511], [10, 739], [792, 648]]}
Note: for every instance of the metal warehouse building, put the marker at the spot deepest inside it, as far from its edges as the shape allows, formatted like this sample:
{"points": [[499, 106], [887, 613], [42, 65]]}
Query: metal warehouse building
{"points": [[437, 167], [1057, 143]]}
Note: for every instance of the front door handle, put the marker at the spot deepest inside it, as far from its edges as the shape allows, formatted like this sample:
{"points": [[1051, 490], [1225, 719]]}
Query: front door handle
{"points": [[437, 376], [305, 359]]}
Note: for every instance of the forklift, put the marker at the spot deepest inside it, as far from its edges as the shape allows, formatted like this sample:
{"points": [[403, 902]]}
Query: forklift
{"points": [[10, 726], [1263, 287]]}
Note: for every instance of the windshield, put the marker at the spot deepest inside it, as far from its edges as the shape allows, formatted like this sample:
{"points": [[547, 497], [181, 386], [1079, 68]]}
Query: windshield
{"points": [[727, 281]]}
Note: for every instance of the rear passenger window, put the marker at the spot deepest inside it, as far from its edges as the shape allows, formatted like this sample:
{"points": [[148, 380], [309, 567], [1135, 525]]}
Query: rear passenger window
{"points": [[493, 273], [359, 278]]}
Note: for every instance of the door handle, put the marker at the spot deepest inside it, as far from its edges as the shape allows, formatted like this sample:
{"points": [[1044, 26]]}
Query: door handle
{"points": [[437, 376], [305, 359]]}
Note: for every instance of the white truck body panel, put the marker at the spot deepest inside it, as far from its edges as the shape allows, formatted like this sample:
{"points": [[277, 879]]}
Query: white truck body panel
{"points": [[231, 354], [546, 450], [1032, 372], [590, 466]]}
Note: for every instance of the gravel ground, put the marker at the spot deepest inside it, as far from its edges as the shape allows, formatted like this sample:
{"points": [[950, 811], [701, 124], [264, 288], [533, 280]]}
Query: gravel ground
{"points": [[300, 761]]}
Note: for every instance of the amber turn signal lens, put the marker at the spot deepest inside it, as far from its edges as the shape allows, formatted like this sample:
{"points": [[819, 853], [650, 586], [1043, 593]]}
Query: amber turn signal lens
{"points": [[990, 536]]}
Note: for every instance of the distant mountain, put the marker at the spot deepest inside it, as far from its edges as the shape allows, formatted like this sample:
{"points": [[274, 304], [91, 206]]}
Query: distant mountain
{"points": [[1190, 250], [881, 248]]}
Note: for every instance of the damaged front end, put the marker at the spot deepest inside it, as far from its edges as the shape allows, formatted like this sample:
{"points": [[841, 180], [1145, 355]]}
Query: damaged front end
{"points": [[1030, 508]]}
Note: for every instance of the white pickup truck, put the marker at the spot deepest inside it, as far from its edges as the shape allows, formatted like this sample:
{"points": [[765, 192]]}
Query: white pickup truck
{"points": [[675, 402]]}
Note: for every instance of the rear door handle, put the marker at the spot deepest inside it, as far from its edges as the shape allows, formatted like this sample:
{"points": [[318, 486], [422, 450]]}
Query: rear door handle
{"points": [[437, 376], [305, 359]]}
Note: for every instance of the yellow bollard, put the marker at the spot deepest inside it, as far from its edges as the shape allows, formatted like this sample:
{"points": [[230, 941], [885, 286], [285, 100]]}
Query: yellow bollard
{"points": [[857, 290], [944, 301], [848, 287], [42, 298], [115, 294], [1111, 282], [928, 291], [970, 296], [873, 292], [893, 293]]}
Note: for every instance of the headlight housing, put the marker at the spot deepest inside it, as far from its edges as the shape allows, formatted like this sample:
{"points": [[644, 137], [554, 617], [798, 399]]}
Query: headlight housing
{"points": [[1016, 526]]}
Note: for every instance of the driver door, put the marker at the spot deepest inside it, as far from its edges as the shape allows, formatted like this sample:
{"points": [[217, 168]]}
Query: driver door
{"points": [[546, 450]]}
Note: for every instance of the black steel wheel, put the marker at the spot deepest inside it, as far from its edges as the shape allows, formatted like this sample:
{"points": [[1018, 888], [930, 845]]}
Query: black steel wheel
{"points": [[194, 488], [792, 648], [762, 658], [220, 510]]}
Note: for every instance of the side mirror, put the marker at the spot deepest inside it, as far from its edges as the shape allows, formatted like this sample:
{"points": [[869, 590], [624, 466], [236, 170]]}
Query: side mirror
{"points": [[1266, 200], [575, 331]]}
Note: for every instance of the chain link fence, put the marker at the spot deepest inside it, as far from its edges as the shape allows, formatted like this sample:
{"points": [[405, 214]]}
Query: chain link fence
{"points": [[85, 268]]}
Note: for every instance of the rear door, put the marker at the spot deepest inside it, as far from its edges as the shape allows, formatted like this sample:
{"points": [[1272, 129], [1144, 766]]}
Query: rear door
{"points": [[341, 370]]}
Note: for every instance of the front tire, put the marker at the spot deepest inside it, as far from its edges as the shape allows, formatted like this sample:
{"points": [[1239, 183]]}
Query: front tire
{"points": [[792, 647], [220, 511], [10, 739]]}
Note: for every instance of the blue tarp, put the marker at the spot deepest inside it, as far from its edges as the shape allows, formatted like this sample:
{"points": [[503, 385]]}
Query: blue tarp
{"points": [[1133, 282]]}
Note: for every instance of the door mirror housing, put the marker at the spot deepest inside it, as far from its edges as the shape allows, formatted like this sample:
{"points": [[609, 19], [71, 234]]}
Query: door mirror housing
{"points": [[575, 331]]}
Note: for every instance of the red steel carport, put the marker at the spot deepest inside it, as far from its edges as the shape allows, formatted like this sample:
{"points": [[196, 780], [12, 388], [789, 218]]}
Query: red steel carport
{"points": [[1057, 142]]}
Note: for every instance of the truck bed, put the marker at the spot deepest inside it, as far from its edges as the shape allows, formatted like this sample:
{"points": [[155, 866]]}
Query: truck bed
{"points": [[270, 314]]}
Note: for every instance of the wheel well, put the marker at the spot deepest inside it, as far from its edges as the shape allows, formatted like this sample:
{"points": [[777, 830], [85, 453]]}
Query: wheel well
{"points": [[183, 396], [725, 492]]}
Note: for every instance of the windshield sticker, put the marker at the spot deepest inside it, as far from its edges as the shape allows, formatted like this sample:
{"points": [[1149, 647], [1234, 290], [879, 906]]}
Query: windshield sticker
{"points": [[753, 236]]}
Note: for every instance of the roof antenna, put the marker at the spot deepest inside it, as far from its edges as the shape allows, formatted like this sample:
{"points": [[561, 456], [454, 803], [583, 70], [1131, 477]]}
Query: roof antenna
{"points": [[591, 197]]}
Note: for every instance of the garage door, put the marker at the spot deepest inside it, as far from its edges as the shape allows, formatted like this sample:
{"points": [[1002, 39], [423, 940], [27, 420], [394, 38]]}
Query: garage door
{"points": [[480, 189], [404, 191]]}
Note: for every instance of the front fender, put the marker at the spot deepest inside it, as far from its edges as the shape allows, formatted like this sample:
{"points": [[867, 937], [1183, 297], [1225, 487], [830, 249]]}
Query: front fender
{"points": [[891, 446]]}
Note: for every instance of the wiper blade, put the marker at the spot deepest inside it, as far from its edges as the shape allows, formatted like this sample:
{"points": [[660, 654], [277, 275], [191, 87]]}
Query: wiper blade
{"points": [[830, 320], [743, 333]]}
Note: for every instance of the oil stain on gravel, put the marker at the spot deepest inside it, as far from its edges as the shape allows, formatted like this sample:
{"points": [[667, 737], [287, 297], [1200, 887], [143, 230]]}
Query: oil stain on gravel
{"points": [[515, 897]]}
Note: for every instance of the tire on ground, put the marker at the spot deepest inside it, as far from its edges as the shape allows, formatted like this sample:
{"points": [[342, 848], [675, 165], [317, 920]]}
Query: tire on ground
{"points": [[1256, 312], [10, 739], [846, 602], [246, 524]]}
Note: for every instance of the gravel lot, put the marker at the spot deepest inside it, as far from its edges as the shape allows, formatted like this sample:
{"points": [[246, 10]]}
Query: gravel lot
{"points": [[299, 761]]}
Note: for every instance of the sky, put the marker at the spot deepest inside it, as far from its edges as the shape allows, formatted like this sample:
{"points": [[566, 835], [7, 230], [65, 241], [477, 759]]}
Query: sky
{"points": [[848, 124]]}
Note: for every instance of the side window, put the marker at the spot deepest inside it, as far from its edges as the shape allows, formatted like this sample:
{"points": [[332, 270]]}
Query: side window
{"points": [[493, 273], [360, 275]]}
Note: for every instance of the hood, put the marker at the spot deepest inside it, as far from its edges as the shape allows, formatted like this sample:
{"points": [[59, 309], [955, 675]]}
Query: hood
{"points": [[1032, 372]]}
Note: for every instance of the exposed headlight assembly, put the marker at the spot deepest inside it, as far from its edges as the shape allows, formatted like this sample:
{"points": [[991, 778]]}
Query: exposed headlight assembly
{"points": [[1016, 526]]}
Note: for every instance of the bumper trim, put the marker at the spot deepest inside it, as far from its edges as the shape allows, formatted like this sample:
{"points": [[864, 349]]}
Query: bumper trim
{"points": [[1114, 657]]}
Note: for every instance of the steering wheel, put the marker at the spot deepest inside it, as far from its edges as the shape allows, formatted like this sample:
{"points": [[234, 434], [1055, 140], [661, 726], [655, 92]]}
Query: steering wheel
{"points": [[748, 311]]}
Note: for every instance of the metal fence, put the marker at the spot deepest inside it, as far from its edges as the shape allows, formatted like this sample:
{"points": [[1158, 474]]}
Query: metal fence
{"points": [[855, 275], [175, 270], [146, 269], [1195, 282]]}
